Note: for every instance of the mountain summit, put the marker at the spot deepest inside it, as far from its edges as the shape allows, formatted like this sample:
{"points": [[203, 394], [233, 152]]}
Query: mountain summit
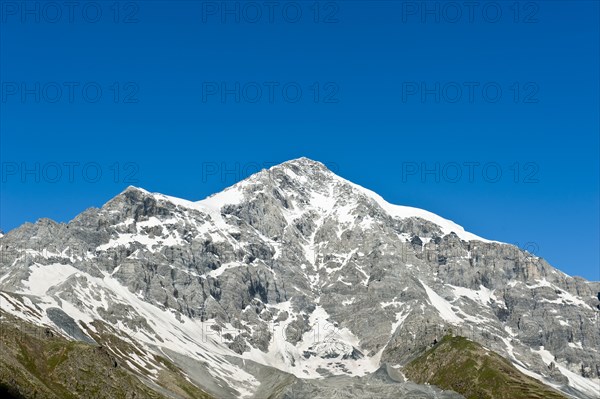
{"points": [[294, 283]]}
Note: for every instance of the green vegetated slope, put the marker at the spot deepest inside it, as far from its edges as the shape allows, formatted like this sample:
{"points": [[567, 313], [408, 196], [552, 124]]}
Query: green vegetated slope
{"points": [[468, 368], [37, 363]]}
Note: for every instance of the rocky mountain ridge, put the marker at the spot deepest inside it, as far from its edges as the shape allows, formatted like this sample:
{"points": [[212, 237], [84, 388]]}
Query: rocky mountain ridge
{"points": [[303, 275]]}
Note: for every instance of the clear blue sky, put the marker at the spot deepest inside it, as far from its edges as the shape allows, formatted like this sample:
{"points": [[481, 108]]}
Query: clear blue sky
{"points": [[389, 89]]}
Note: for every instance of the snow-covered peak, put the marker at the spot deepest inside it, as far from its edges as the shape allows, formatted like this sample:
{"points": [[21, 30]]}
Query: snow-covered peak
{"points": [[307, 175], [305, 164], [135, 189], [310, 167]]}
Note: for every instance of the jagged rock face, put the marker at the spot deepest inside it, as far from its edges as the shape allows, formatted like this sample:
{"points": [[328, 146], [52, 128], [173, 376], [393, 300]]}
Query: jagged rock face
{"points": [[298, 269]]}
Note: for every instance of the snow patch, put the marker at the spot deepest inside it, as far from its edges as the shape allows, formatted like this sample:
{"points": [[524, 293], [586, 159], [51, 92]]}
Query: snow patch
{"points": [[443, 306], [589, 386], [43, 277], [483, 295]]}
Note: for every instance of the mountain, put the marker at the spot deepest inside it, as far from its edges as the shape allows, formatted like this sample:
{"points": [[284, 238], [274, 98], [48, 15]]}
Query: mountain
{"points": [[293, 283]]}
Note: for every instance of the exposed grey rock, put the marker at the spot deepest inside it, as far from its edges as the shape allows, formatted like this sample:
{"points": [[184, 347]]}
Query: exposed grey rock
{"points": [[68, 325]]}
